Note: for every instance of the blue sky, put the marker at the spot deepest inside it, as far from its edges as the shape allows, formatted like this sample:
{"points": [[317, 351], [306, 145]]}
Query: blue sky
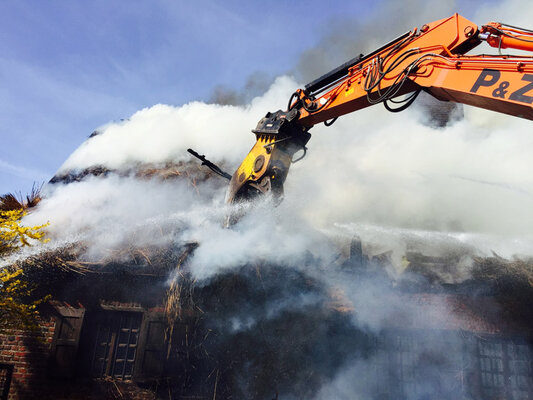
{"points": [[67, 67]]}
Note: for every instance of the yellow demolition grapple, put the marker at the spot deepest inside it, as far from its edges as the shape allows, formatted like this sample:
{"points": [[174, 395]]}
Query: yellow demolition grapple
{"points": [[266, 166]]}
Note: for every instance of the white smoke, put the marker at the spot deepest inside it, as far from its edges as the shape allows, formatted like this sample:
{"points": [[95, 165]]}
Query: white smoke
{"points": [[390, 169], [112, 212], [371, 167], [119, 212], [163, 133]]}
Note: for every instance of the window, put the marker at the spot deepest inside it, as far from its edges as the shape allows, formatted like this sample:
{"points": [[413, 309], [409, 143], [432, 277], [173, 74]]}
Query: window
{"points": [[115, 347], [6, 372], [407, 354], [491, 366], [419, 365], [519, 371], [505, 369]]}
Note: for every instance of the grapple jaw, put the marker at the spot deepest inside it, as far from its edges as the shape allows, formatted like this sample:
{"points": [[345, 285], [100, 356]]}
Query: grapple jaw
{"points": [[264, 170]]}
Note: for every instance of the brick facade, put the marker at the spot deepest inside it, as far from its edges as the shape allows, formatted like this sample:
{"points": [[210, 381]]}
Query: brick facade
{"points": [[44, 368], [28, 352]]}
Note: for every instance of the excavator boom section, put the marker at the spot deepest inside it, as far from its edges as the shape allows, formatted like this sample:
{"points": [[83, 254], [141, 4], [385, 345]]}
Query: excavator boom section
{"points": [[432, 58]]}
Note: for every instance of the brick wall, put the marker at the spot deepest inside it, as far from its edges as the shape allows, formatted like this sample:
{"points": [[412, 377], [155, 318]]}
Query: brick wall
{"points": [[28, 352]]}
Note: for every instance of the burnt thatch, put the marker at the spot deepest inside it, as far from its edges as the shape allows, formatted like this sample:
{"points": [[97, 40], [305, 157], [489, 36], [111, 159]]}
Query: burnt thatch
{"points": [[510, 282], [15, 201], [192, 171]]}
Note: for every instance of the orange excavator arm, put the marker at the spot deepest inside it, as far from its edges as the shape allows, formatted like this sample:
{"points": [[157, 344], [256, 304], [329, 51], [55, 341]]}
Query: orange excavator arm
{"points": [[431, 59]]}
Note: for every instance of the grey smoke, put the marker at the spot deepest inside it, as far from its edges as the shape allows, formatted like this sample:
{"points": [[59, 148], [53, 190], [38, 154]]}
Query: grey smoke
{"points": [[348, 37], [256, 84], [370, 167]]}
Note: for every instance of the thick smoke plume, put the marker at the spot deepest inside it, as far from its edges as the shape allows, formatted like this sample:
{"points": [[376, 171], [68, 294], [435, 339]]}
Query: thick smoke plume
{"points": [[371, 166]]}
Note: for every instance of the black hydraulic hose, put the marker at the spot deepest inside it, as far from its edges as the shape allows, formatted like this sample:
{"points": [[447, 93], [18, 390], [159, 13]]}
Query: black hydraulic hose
{"points": [[382, 74], [515, 27], [310, 111], [291, 105], [330, 122], [400, 79], [406, 102], [503, 33]]}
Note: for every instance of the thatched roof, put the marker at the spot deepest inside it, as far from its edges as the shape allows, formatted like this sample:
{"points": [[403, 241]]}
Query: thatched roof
{"points": [[15, 201], [190, 170]]}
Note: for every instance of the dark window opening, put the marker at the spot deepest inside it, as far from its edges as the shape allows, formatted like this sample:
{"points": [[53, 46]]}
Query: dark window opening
{"points": [[6, 372], [520, 371], [505, 369], [491, 367], [115, 346], [422, 365], [405, 358]]}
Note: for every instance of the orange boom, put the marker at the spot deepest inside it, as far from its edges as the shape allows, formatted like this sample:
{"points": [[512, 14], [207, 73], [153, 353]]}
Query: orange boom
{"points": [[431, 59]]}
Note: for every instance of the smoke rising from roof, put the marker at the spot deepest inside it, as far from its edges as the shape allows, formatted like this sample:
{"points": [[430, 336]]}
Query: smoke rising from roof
{"points": [[256, 85], [370, 167]]}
